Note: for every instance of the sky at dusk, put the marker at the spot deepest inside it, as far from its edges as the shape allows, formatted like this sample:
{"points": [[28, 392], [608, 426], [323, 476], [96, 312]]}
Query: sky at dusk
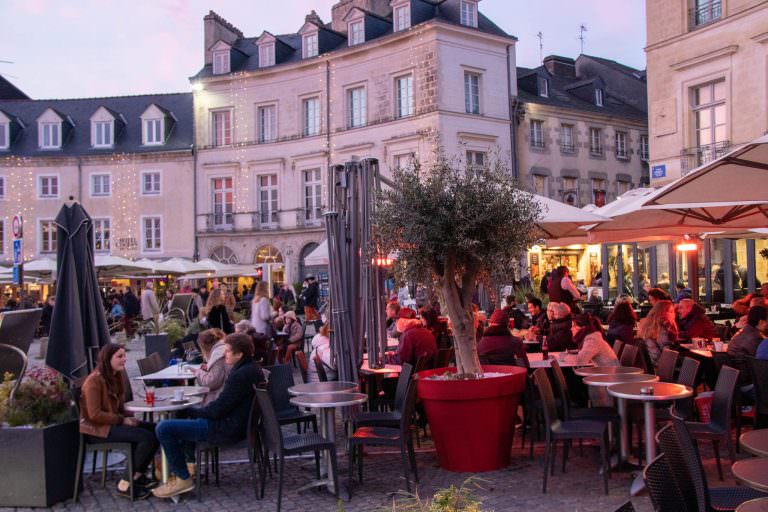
{"points": [[84, 48]]}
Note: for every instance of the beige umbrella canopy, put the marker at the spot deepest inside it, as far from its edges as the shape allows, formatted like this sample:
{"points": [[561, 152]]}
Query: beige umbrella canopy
{"points": [[560, 220], [109, 265]]}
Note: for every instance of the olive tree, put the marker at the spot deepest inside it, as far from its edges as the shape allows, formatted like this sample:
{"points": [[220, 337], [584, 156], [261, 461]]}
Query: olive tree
{"points": [[454, 225]]}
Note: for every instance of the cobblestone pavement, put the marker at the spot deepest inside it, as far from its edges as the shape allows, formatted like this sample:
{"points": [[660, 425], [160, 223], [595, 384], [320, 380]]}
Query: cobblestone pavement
{"points": [[517, 487]]}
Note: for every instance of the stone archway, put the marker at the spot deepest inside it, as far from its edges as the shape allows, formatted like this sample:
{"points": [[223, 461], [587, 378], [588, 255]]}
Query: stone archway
{"points": [[305, 251], [224, 254]]}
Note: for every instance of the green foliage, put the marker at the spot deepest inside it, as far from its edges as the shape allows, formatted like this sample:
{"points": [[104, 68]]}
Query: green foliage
{"points": [[173, 329], [5, 394], [451, 499], [42, 399]]}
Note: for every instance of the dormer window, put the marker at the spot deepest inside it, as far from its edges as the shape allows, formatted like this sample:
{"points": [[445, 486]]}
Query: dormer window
{"points": [[469, 13], [402, 17], [221, 62], [266, 55], [599, 97], [356, 31], [310, 46], [543, 87], [153, 132], [50, 135], [102, 134], [5, 135]]}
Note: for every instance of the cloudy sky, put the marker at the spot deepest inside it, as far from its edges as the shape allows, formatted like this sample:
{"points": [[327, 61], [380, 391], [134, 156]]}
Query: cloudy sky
{"points": [[82, 48]]}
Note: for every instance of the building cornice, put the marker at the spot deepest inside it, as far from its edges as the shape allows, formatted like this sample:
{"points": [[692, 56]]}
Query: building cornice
{"points": [[586, 116], [761, 38], [705, 57]]}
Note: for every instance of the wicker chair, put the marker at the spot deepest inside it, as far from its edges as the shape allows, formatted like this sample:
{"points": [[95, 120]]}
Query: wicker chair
{"points": [[667, 365], [630, 356], [280, 379], [662, 486], [758, 369]]}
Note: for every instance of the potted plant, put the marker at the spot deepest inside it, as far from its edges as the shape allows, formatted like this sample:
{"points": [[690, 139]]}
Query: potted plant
{"points": [[163, 340], [38, 441], [456, 226]]}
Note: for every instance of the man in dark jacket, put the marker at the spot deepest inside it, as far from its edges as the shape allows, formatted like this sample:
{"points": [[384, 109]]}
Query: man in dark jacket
{"points": [[693, 321], [539, 323], [223, 421], [745, 343], [415, 340], [132, 308], [513, 313], [310, 296], [498, 346]]}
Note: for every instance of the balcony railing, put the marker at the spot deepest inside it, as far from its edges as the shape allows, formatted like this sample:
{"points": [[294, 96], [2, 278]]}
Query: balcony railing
{"points": [[691, 158], [705, 13], [537, 143], [246, 222], [567, 148], [309, 217]]}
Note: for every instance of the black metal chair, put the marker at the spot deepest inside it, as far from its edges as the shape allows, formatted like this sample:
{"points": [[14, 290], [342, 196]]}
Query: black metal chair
{"points": [[719, 427], [301, 362], [280, 379], [388, 418], [151, 364], [273, 441], [758, 369], [566, 431], [618, 347], [630, 356], [400, 437], [665, 370], [662, 486], [320, 369]]}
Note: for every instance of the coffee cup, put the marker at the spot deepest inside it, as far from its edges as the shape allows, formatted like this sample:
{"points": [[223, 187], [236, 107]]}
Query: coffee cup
{"points": [[178, 395]]}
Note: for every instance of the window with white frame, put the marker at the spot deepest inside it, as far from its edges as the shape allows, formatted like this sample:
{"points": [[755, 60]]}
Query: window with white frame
{"points": [[644, 153], [710, 124], [566, 139], [356, 107], [151, 238], [266, 55], [310, 45], [543, 87], [153, 132], [471, 93], [476, 160], [221, 128], [221, 62], [50, 135], [596, 141], [48, 187], [2, 187], [403, 161], [622, 187], [102, 230], [101, 185], [599, 97], [469, 13], [541, 185], [268, 211], [223, 201], [356, 31], [621, 145], [267, 119], [313, 197], [537, 133], [47, 236], [5, 135], [150, 183], [404, 96], [598, 192], [311, 114], [102, 136], [402, 16]]}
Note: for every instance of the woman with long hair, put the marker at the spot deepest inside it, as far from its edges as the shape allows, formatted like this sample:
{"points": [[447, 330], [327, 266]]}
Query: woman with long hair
{"points": [[217, 314], [261, 313], [214, 371], [588, 335], [103, 418], [658, 330], [621, 323]]}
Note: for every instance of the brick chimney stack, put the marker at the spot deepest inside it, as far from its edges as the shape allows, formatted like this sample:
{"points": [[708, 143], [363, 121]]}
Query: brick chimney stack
{"points": [[216, 28], [313, 17], [560, 66], [341, 8]]}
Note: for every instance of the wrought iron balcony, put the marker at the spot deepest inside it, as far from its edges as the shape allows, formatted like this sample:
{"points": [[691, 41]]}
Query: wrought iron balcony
{"points": [[705, 13], [309, 217], [691, 158]]}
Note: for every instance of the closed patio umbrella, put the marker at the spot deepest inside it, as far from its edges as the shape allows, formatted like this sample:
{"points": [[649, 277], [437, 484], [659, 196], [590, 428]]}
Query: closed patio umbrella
{"points": [[78, 326]]}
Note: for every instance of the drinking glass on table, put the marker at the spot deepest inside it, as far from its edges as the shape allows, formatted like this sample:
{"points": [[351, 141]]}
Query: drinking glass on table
{"points": [[149, 395]]}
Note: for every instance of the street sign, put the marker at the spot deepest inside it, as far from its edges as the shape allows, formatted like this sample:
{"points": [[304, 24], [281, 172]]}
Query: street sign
{"points": [[659, 171], [18, 229], [16, 274], [17, 252]]}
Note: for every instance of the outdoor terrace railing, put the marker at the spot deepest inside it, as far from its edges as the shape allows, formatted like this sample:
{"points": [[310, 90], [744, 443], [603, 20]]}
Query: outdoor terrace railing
{"points": [[691, 158], [704, 13]]}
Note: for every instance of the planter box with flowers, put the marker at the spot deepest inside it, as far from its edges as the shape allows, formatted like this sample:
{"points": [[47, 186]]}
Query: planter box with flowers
{"points": [[38, 441]]}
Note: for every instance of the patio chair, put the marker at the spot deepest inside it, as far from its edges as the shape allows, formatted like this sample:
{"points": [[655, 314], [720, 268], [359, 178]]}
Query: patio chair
{"points": [[667, 365], [682, 455], [280, 379], [388, 418], [719, 427], [630, 356], [566, 431], [301, 362], [662, 486], [320, 369], [618, 347], [758, 369], [13, 360], [400, 437]]}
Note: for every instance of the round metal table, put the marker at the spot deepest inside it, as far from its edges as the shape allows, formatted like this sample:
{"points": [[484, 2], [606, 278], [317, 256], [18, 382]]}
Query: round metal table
{"points": [[327, 403], [632, 391], [756, 505], [607, 370], [752, 473], [322, 388], [619, 378], [755, 442], [166, 393]]}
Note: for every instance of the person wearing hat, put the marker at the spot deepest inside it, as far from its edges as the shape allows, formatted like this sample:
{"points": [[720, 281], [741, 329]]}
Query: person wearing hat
{"points": [[498, 346], [295, 336], [415, 340]]}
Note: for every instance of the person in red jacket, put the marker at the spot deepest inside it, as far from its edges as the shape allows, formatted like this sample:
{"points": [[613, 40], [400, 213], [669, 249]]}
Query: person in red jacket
{"points": [[693, 321], [497, 345], [415, 340]]}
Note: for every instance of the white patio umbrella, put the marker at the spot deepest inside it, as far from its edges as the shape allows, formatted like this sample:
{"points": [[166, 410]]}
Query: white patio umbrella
{"points": [[178, 266], [561, 220], [42, 268], [108, 264], [319, 256]]}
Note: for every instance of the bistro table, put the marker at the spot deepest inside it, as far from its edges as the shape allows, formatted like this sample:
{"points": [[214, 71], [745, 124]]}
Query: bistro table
{"points": [[166, 393], [163, 410], [328, 403], [607, 370], [537, 361], [662, 391], [619, 378], [174, 372], [372, 376], [755, 442], [322, 388], [756, 505], [752, 473]]}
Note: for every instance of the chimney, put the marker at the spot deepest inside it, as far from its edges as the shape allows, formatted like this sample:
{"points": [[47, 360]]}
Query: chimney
{"points": [[342, 7], [313, 17], [216, 28], [560, 66]]}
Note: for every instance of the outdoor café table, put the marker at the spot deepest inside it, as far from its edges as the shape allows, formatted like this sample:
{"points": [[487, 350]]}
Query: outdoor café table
{"points": [[752, 473], [372, 375], [755, 442], [173, 372], [536, 361], [607, 370], [166, 393], [327, 403], [619, 378], [164, 409], [662, 391], [756, 505], [322, 388]]}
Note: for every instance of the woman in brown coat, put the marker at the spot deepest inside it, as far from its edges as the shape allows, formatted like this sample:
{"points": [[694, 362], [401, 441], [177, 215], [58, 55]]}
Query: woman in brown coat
{"points": [[103, 418]]}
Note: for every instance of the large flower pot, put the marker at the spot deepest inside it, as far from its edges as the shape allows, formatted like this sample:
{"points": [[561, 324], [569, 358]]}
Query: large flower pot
{"points": [[472, 421], [38, 464]]}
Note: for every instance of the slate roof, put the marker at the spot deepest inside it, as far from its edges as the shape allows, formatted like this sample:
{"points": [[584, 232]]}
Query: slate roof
{"points": [[79, 111], [8, 91], [447, 11]]}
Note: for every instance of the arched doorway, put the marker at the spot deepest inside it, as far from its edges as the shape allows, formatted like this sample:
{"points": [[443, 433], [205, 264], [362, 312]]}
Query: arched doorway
{"points": [[224, 254], [272, 263], [305, 251]]}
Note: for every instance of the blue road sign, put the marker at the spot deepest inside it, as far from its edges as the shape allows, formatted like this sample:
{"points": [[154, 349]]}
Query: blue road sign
{"points": [[17, 250], [16, 274], [659, 171]]}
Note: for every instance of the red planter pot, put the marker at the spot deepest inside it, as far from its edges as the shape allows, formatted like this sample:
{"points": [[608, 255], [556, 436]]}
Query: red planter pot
{"points": [[472, 421]]}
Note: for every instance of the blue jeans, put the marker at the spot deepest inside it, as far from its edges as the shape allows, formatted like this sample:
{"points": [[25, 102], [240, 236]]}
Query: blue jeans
{"points": [[177, 437]]}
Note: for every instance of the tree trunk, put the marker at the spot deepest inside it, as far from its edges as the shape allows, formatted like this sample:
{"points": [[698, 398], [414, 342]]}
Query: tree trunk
{"points": [[462, 320]]}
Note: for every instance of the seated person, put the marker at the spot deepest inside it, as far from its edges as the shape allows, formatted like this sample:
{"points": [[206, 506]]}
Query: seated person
{"points": [[560, 337], [657, 294], [658, 330], [498, 346], [117, 312], [514, 313], [392, 311], [295, 340], [621, 324], [262, 344], [213, 372], [224, 421], [415, 340], [539, 323], [103, 418], [588, 334], [753, 300], [746, 342], [693, 321], [321, 346]]}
